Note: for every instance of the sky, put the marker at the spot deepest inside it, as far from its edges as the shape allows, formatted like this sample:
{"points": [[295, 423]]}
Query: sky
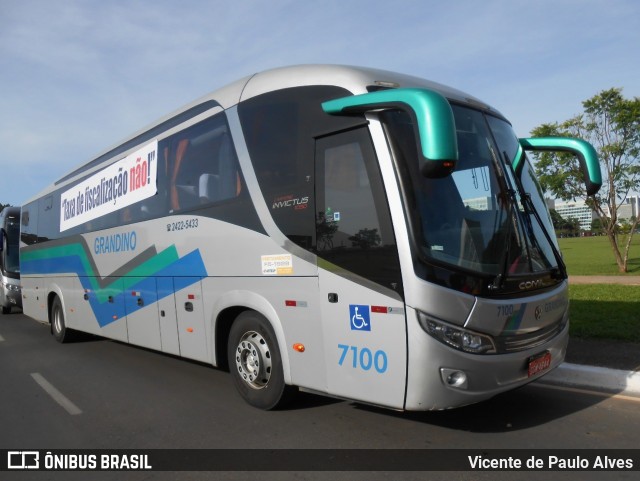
{"points": [[78, 76]]}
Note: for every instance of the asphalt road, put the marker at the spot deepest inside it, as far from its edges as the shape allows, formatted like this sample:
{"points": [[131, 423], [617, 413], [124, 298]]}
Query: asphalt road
{"points": [[101, 394]]}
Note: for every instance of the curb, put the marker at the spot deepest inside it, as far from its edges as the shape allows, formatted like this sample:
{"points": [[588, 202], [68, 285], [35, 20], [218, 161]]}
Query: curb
{"points": [[598, 378]]}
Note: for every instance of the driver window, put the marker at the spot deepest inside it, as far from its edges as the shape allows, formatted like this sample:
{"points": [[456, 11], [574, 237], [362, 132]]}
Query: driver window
{"points": [[353, 222]]}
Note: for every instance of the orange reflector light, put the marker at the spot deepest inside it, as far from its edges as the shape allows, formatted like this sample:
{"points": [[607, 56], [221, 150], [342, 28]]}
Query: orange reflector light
{"points": [[298, 347], [189, 329]]}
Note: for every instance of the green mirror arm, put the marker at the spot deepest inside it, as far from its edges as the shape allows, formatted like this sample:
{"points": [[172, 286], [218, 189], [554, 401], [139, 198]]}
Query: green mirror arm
{"points": [[587, 156], [436, 131]]}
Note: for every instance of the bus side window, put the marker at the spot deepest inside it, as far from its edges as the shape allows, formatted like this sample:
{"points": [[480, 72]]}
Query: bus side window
{"points": [[202, 167], [225, 184], [29, 223], [182, 186]]}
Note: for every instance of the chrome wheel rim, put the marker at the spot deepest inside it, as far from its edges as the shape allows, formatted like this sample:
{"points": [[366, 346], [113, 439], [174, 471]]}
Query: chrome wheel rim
{"points": [[57, 320], [253, 360]]}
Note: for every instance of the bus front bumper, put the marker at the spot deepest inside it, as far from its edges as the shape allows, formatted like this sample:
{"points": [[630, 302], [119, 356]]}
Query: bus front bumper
{"points": [[440, 377], [11, 295]]}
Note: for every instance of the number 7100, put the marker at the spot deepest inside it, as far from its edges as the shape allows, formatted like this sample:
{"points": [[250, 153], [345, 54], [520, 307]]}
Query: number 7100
{"points": [[363, 358]]}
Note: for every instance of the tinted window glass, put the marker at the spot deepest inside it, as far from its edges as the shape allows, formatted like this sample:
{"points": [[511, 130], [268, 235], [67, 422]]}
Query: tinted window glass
{"points": [[354, 228], [11, 247], [197, 168], [29, 223], [279, 129]]}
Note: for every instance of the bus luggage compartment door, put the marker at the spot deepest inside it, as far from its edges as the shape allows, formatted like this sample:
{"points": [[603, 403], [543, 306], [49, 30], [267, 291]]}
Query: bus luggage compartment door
{"points": [[190, 315], [167, 316], [98, 307], [143, 324]]}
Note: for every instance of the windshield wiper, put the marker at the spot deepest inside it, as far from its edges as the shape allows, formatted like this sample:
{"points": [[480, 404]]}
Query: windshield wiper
{"points": [[499, 280], [510, 198], [559, 272]]}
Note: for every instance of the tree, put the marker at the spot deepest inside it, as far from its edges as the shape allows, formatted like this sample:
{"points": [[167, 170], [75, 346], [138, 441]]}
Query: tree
{"points": [[557, 219], [365, 238], [325, 229], [565, 227], [611, 124], [596, 226]]}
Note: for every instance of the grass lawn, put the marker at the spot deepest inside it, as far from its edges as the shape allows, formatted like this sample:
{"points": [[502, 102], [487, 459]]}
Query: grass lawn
{"points": [[602, 311], [605, 311], [590, 256]]}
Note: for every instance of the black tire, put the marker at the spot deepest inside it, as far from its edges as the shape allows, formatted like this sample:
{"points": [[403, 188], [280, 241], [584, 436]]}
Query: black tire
{"points": [[255, 362], [6, 310], [58, 327]]}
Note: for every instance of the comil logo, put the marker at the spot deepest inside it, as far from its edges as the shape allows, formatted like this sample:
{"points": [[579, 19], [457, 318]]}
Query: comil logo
{"points": [[531, 284], [538, 313], [23, 460]]}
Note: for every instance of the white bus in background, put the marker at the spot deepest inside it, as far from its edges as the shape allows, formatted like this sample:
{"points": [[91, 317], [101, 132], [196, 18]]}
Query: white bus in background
{"points": [[9, 259], [346, 231]]}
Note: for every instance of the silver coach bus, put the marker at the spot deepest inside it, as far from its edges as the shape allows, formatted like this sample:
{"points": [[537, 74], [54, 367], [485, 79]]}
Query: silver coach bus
{"points": [[9, 259], [347, 231]]}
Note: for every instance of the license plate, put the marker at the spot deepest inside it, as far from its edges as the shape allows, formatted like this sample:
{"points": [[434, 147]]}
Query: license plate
{"points": [[539, 363]]}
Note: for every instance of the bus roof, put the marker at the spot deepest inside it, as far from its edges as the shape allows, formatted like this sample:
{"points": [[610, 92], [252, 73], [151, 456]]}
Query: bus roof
{"points": [[357, 80]]}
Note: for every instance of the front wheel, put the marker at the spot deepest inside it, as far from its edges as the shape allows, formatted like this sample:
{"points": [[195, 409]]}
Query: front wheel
{"points": [[255, 362]]}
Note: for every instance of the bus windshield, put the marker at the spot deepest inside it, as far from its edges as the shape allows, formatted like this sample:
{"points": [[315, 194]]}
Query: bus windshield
{"points": [[12, 248], [480, 219]]}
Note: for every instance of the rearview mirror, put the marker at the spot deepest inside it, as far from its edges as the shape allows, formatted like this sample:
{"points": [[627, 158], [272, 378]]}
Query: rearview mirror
{"points": [[583, 150], [432, 120]]}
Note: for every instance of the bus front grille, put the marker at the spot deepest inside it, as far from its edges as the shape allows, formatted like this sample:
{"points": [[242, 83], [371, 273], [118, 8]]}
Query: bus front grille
{"points": [[530, 340]]}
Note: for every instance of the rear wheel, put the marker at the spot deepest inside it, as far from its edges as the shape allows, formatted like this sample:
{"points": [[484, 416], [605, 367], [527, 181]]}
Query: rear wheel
{"points": [[58, 326], [255, 362]]}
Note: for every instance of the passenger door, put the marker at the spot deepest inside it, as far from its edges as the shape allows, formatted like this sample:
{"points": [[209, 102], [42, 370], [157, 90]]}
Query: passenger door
{"points": [[360, 282]]}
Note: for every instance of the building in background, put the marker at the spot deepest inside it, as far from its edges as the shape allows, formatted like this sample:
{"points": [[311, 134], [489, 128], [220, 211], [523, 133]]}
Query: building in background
{"points": [[628, 209], [574, 210], [578, 209]]}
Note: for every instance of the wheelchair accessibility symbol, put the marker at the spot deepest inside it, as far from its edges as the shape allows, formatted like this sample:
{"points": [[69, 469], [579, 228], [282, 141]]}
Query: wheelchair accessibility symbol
{"points": [[360, 317]]}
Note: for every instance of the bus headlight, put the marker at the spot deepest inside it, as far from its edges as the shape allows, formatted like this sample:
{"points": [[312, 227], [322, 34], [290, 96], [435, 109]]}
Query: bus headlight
{"points": [[12, 287], [456, 337]]}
